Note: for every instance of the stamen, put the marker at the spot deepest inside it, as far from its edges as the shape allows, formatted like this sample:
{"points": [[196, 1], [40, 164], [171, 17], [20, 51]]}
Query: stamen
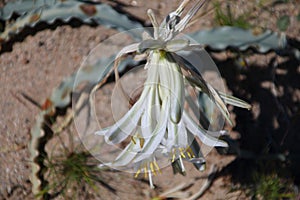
{"points": [[137, 173], [133, 140], [152, 168], [150, 180], [156, 166], [190, 152], [142, 142], [189, 155], [173, 156], [145, 171], [182, 152], [181, 165]]}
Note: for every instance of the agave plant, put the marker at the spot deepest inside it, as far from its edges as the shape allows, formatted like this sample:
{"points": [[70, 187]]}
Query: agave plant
{"points": [[157, 123]]}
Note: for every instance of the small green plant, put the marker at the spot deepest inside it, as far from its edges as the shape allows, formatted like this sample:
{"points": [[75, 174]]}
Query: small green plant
{"points": [[283, 23], [69, 172], [226, 14], [271, 186], [228, 19]]}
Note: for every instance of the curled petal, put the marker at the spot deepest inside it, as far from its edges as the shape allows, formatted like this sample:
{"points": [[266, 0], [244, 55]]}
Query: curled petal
{"points": [[124, 127], [234, 101], [128, 49], [125, 157], [201, 133]]}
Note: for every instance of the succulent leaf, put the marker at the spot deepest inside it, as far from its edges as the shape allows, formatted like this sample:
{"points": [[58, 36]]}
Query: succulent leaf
{"points": [[225, 37], [49, 12]]}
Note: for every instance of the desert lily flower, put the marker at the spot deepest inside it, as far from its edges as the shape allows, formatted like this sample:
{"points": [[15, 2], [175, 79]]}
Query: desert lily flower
{"points": [[158, 124]]}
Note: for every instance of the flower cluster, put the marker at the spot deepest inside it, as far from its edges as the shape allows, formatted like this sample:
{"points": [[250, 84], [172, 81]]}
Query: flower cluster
{"points": [[157, 123]]}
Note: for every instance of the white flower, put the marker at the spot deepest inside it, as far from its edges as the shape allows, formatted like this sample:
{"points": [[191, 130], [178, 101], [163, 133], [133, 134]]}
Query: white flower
{"points": [[157, 123]]}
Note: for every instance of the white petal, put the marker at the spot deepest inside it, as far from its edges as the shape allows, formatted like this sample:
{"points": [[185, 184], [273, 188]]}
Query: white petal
{"points": [[149, 44], [215, 97], [124, 127], [193, 47], [153, 142], [154, 22], [182, 135], [103, 131], [164, 79], [157, 109], [197, 111], [217, 134], [234, 101], [125, 157], [177, 135], [176, 45], [172, 136], [147, 122], [177, 89], [201, 133], [197, 79], [201, 85], [183, 23], [152, 66], [128, 49]]}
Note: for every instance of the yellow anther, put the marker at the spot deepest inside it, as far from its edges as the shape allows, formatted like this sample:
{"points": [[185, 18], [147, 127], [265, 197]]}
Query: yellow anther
{"points": [[142, 142], [156, 166], [152, 168], [173, 157], [190, 152], [137, 173], [132, 139], [145, 172], [189, 155], [182, 152]]}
